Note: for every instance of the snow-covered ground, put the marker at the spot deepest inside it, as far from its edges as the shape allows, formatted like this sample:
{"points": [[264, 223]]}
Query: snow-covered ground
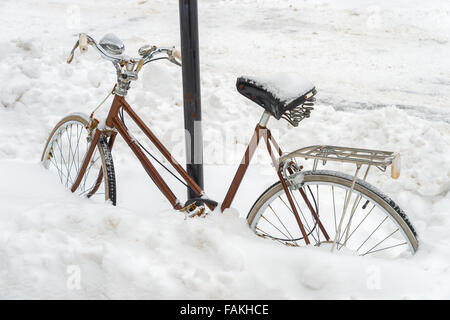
{"points": [[383, 77]]}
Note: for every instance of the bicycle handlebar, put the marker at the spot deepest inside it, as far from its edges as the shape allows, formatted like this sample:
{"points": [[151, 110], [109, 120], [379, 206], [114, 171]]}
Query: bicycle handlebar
{"points": [[147, 53]]}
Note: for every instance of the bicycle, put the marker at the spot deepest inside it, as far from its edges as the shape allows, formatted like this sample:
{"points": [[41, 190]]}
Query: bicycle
{"points": [[316, 207]]}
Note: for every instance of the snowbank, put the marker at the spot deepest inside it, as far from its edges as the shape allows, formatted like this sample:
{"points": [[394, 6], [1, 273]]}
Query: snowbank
{"points": [[382, 75]]}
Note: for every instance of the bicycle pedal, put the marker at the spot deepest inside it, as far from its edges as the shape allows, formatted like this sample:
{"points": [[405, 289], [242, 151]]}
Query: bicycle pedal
{"points": [[194, 210]]}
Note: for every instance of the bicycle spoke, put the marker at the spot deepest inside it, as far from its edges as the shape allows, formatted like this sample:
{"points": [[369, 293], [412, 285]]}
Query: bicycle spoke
{"points": [[361, 222], [282, 223], [61, 158], [87, 190], [371, 234], [368, 251], [316, 202], [334, 210], [73, 162], [65, 163], [309, 229], [317, 209], [269, 236], [390, 247], [290, 209], [347, 227], [71, 155], [276, 228], [52, 160], [61, 174], [78, 149], [88, 170], [314, 213], [344, 210]]}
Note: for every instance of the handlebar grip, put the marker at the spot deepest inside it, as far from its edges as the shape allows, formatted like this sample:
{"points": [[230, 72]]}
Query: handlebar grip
{"points": [[70, 58], [83, 43], [395, 167], [177, 54]]}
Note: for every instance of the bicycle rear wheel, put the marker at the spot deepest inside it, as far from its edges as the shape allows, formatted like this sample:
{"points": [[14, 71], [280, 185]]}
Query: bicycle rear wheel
{"points": [[371, 224], [64, 154]]}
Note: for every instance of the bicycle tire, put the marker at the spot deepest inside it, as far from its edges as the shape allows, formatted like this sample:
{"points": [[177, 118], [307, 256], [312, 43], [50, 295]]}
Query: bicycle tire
{"points": [[395, 213], [107, 164]]}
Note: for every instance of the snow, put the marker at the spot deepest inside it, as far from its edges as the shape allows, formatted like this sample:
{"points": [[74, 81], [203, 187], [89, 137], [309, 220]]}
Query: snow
{"points": [[285, 86], [382, 76]]}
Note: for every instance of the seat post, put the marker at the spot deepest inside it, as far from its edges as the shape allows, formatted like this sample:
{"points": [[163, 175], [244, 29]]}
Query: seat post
{"points": [[264, 119]]}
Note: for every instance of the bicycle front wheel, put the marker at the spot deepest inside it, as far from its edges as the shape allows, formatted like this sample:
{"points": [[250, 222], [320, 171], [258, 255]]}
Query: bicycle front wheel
{"points": [[64, 154], [359, 220]]}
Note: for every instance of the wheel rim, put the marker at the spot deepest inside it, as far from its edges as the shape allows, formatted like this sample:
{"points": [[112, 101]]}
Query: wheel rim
{"points": [[367, 228], [64, 155]]}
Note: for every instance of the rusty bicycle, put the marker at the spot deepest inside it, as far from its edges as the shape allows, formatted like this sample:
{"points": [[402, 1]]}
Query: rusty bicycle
{"points": [[303, 207]]}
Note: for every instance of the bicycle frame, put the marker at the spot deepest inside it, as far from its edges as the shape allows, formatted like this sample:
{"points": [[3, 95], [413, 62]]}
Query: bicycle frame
{"points": [[115, 125], [291, 179]]}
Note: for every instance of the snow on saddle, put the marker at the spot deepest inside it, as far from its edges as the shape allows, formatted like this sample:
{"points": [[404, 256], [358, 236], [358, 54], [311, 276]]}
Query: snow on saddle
{"points": [[283, 95]]}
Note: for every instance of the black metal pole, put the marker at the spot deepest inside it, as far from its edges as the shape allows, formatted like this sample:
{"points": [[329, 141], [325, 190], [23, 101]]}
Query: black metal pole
{"points": [[191, 91]]}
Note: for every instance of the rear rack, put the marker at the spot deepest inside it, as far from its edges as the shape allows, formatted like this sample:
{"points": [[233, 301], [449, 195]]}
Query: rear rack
{"points": [[378, 158]]}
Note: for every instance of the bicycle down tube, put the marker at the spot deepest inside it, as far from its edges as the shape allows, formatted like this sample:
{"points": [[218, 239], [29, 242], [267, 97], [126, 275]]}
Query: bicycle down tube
{"points": [[113, 121]]}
